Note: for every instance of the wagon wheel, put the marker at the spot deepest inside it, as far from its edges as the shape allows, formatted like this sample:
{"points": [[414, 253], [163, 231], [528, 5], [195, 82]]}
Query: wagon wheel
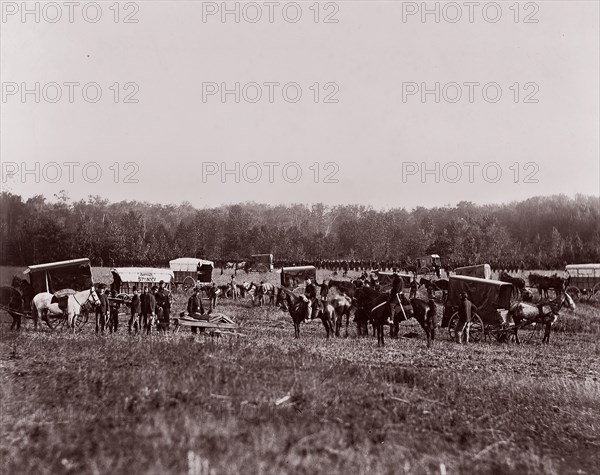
{"points": [[81, 320], [452, 326], [476, 330], [262, 268], [188, 283], [575, 293], [60, 323], [424, 270], [595, 294]]}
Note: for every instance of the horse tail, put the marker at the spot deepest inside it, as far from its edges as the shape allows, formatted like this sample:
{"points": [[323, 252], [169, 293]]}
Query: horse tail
{"points": [[34, 311]]}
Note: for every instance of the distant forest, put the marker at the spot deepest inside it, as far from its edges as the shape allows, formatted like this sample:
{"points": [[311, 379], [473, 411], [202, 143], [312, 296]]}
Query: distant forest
{"points": [[542, 232]]}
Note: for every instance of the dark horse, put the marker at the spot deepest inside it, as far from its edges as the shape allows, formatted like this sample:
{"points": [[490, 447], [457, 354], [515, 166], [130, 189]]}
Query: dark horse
{"points": [[12, 301], [21, 296], [300, 309], [373, 306], [343, 287], [517, 283], [544, 283], [441, 284]]}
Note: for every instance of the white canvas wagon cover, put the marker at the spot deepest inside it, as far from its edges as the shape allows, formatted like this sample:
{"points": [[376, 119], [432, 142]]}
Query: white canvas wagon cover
{"points": [[51, 277], [143, 274], [481, 271], [188, 264], [594, 268]]}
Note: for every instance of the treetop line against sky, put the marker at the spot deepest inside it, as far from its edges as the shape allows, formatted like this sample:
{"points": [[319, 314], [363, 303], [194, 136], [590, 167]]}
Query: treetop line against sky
{"points": [[353, 103]]}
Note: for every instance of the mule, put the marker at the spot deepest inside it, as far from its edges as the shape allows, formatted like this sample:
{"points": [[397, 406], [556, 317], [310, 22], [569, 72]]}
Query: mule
{"points": [[46, 305]]}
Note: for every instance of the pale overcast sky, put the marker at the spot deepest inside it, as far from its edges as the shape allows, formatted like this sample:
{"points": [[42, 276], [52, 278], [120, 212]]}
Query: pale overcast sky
{"points": [[371, 134]]}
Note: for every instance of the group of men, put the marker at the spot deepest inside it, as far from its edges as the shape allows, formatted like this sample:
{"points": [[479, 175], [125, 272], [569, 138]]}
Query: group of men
{"points": [[150, 306]]}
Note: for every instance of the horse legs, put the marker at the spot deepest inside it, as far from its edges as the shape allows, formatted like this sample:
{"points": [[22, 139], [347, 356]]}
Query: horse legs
{"points": [[16, 323], [380, 340], [327, 324], [547, 329]]}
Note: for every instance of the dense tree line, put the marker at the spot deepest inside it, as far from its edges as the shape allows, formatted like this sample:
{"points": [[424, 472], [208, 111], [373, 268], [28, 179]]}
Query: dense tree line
{"points": [[543, 232]]}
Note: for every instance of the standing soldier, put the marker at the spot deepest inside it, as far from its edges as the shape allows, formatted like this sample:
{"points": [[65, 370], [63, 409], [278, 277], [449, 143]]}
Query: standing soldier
{"points": [[234, 288], [394, 299], [148, 304], [163, 300], [195, 308], [413, 288], [136, 311], [310, 291], [114, 305], [101, 311], [323, 292], [465, 312]]}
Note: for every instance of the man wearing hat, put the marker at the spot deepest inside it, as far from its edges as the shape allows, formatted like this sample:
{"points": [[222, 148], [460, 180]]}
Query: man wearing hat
{"points": [[195, 308], [310, 291], [465, 312], [163, 301], [394, 299], [148, 304]]}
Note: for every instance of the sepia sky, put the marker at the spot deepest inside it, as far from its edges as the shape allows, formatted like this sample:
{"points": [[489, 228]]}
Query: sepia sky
{"points": [[541, 134]]}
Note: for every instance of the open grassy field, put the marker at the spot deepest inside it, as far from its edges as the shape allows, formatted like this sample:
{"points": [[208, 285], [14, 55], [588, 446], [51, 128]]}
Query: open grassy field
{"points": [[175, 403]]}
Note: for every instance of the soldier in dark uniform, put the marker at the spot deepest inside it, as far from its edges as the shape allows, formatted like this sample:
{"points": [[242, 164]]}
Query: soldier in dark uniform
{"points": [[136, 310], [413, 288], [102, 310], [195, 308], [394, 299], [148, 304], [163, 301], [310, 291], [465, 313]]}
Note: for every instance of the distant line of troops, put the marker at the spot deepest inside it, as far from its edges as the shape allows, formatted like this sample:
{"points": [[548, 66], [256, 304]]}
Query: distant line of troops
{"points": [[387, 265]]}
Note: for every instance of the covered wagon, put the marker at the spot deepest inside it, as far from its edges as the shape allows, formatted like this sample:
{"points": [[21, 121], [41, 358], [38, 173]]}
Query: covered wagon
{"points": [[583, 280], [189, 271], [126, 278], [74, 274], [294, 278], [260, 263], [491, 297], [482, 271]]}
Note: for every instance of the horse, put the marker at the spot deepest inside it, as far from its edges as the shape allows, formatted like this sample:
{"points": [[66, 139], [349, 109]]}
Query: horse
{"points": [[440, 284], [373, 306], [300, 310], [263, 289], [544, 284], [338, 306], [517, 283], [520, 312], [71, 305], [343, 287], [12, 301]]}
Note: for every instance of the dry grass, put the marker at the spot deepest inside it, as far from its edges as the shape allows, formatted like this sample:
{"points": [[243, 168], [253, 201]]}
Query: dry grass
{"points": [[178, 404]]}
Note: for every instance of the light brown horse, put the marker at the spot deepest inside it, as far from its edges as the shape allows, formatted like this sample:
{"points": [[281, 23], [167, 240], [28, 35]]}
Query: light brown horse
{"points": [[545, 314]]}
